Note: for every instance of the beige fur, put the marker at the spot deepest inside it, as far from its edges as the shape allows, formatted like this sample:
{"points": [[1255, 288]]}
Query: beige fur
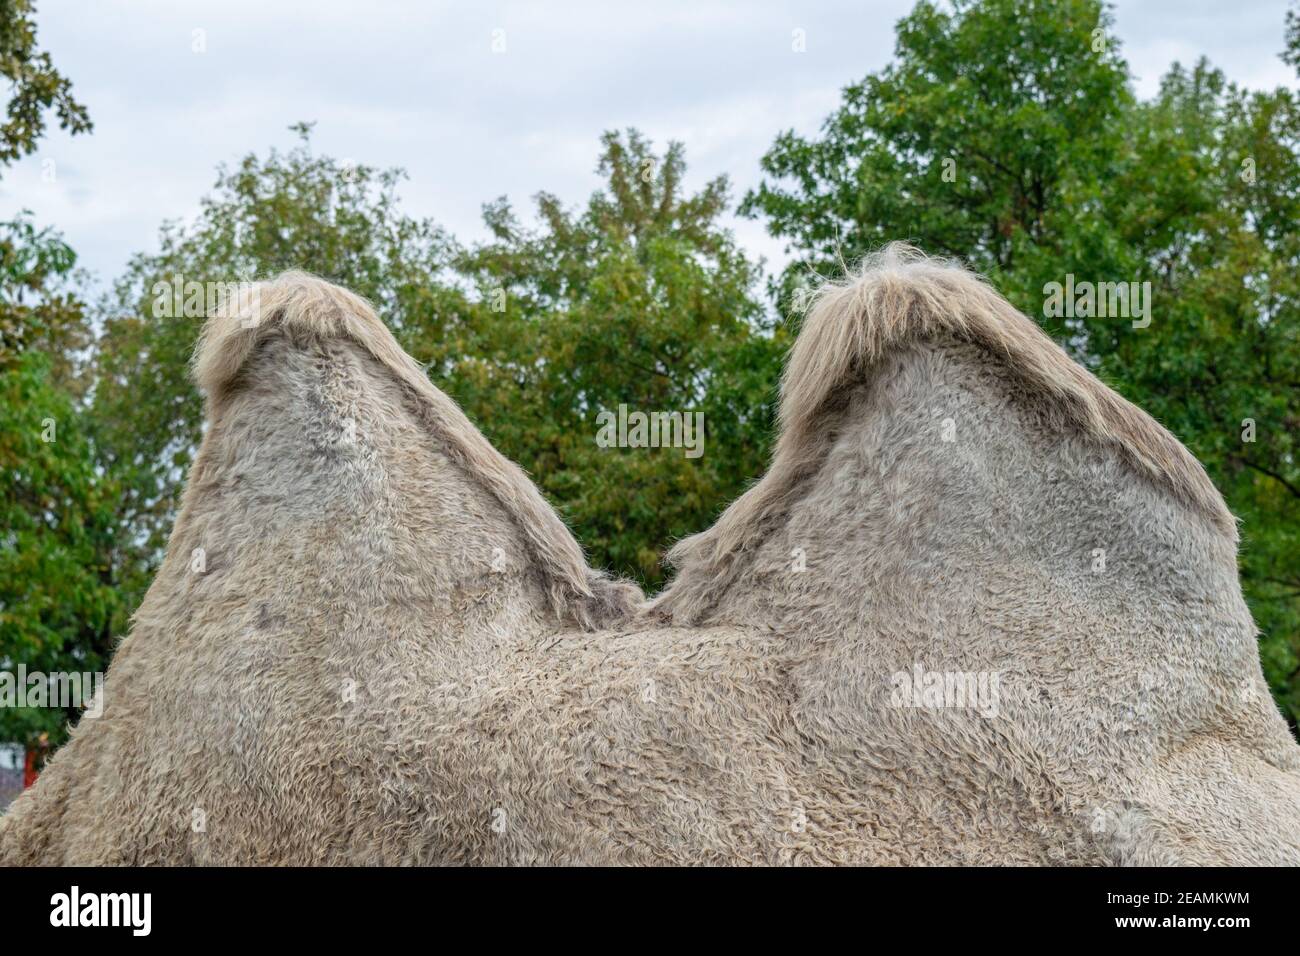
{"points": [[898, 297], [370, 668], [299, 303]]}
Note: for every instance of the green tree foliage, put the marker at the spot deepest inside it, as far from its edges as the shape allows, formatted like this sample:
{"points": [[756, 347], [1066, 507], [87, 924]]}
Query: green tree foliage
{"points": [[58, 604], [984, 140], [640, 299], [41, 310], [1005, 133], [35, 85]]}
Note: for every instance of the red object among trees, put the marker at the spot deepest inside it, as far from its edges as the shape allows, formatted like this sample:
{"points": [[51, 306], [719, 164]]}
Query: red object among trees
{"points": [[29, 768]]}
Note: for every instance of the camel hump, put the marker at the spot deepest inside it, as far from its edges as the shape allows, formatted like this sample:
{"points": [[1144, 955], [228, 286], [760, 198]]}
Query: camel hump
{"points": [[901, 296], [294, 301], [900, 299], [306, 307]]}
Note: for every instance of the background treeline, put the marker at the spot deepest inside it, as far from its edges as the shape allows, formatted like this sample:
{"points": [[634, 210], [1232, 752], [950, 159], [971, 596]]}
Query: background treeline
{"points": [[1005, 132]]}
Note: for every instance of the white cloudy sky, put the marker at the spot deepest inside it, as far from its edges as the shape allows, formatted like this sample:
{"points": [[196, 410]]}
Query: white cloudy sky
{"points": [[417, 85]]}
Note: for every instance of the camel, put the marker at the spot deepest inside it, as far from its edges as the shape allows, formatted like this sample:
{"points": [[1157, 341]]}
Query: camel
{"points": [[980, 610]]}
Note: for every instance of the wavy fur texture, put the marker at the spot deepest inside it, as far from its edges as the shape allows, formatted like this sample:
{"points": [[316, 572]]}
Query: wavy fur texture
{"points": [[981, 611], [897, 297], [299, 304]]}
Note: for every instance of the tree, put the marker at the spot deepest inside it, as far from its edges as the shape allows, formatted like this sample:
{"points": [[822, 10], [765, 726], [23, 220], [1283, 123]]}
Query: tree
{"points": [[640, 300], [41, 311], [983, 140], [59, 609], [1055, 169], [35, 85]]}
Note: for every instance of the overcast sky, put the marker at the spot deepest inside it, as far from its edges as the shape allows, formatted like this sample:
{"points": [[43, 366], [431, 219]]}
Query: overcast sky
{"points": [[418, 85]]}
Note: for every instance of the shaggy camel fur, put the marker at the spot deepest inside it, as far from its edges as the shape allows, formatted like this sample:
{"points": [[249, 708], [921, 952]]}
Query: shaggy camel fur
{"points": [[980, 610]]}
